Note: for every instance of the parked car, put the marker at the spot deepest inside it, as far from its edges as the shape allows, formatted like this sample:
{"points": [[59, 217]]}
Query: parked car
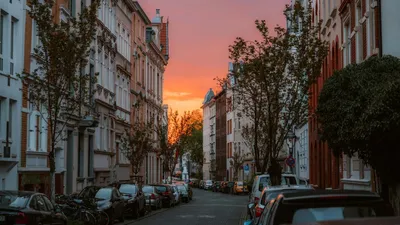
{"points": [[324, 205], [183, 193], [239, 188], [153, 198], [262, 181], [167, 194], [190, 191], [108, 199], [177, 195], [394, 220], [271, 193], [28, 208], [208, 184], [135, 200]]}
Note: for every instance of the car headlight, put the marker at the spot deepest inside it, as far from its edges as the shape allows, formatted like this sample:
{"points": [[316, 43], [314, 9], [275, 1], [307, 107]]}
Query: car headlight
{"points": [[105, 206]]}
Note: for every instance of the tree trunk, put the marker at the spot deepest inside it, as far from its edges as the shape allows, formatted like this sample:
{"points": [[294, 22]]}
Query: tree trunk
{"points": [[275, 172], [52, 174], [394, 198]]}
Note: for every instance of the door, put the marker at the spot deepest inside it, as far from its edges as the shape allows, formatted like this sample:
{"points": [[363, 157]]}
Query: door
{"points": [[43, 216]]}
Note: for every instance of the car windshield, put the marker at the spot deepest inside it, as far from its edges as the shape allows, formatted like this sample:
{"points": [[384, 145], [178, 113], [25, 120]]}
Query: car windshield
{"points": [[13, 200], [128, 189], [181, 188], [272, 194], [148, 189], [161, 188], [332, 213], [209, 182], [104, 193], [239, 183]]}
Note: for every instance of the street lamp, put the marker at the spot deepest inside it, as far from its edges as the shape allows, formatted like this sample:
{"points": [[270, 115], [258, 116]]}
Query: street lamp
{"points": [[291, 138]]}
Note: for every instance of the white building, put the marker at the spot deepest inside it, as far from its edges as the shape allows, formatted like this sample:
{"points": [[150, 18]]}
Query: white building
{"points": [[236, 120], [122, 84], [12, 33], [209, 135]]}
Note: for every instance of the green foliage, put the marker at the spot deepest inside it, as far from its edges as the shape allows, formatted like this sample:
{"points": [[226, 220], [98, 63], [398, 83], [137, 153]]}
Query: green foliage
{"points": [[359, 112], [57, 88], [273, 77], [194, 146]]}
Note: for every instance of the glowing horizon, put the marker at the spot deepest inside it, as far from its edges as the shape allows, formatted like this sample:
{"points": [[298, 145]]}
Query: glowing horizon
{"points": [[200, 39]]}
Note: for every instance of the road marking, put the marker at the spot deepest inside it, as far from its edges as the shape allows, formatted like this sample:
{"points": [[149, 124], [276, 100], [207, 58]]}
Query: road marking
{"points": [[199, 216], [193, 205]]}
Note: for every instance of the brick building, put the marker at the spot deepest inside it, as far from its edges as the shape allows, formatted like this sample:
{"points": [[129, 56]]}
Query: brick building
{"points": [[220, 133], [324, 166], [353, 30]]}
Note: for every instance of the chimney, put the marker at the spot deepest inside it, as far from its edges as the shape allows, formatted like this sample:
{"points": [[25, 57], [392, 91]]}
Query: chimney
{"points": [[157, 12]]}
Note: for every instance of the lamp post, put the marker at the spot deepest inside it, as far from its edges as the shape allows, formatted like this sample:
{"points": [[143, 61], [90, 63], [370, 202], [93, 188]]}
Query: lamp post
{"points": [[291, 138]]}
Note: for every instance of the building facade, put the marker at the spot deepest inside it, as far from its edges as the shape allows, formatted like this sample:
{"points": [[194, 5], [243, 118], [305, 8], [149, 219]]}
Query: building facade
{"points": [[12, 30], [208, 133], [361, 38], [324, 167], [150, 54], [235, 121], [221, 172], [122, 81]]}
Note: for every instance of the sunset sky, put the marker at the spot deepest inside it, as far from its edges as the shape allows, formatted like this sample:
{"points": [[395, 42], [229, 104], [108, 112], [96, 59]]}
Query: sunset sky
{"points": [[200, 34]]}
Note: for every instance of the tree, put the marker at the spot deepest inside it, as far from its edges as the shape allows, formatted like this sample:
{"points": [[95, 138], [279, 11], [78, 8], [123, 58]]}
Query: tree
{"points": [[276, 73], [194, 146], [236, 162], [174, 136], [137, 142], [58, 87], [359, 114]]}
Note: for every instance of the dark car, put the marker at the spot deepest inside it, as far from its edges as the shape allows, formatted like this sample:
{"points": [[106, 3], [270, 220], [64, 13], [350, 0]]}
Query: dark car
{"points": [[167, 194], [153, 198], [324, 205], [108, 199], [135, 200], [28, 208]]}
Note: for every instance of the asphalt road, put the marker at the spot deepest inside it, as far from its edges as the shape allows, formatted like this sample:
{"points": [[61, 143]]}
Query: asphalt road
{"points": [[206, 208]]}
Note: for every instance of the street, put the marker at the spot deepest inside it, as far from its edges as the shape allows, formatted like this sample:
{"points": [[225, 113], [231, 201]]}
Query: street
{"points": [[206, 208]]}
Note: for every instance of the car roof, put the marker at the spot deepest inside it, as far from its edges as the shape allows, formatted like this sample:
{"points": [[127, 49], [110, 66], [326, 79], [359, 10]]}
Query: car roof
{"points": [[326, 193], [19, 193], [395, 220]]}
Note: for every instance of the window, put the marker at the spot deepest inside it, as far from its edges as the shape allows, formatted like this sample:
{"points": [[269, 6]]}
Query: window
{"points": [[121, 97], [106, 71], [12, 35], [80, 155], [372, 31], [106, 136], [90, 156], [127, 100], [11, 110], [347, 44], [2, 20], [359, 38]]}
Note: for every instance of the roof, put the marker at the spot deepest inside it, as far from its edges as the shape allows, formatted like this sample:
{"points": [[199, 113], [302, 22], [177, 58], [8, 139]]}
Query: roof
{"points": [[320, 193], [142, 13], [209, 96], [360, 221]]}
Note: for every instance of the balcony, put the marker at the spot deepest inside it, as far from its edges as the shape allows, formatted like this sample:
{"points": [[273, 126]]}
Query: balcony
{"points": [[8, 159]]}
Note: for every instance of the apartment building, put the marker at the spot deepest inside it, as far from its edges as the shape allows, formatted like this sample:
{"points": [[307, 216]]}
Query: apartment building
{"points": [[12, 29], [122, 83], [150, 54], [235, 121], [208, 108], [324, 167], [221, 172]]}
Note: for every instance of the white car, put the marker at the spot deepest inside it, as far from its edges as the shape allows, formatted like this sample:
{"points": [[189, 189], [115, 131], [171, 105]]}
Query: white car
{"points": [[208, 184], [262, 181]]}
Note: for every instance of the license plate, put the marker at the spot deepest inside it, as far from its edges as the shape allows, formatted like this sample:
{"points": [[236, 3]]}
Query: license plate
{"points": [[2, 218]]}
